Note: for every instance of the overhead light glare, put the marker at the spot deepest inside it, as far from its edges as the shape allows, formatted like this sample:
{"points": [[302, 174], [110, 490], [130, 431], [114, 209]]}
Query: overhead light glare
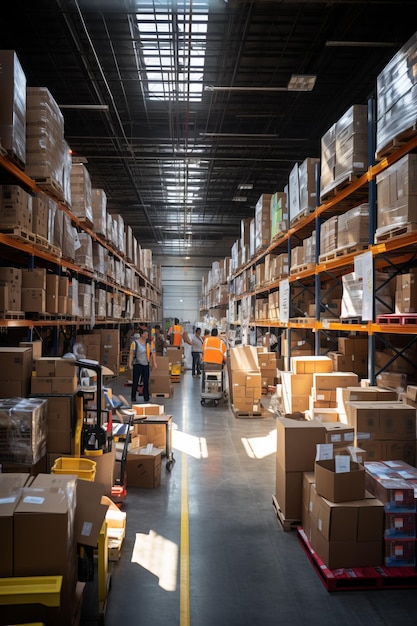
{"points": [[239, 199], [85, 107]]}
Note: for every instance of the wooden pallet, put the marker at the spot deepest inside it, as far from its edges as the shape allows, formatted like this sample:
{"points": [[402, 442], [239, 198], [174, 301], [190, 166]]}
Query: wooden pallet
{"points": [[44, 244], [358, 578], [17, 232], [397, 141], [396, 231], [301, 215], [287, 524], [49, 184], [338, 185], [340, 252], [302, 320], [250, 414], [296, 269], [12, 315]]}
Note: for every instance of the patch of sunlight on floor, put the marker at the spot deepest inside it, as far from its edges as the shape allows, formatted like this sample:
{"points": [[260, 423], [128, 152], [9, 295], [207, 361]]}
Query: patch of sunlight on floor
{"points": [[260, 447], [159, 556], [190, 444]]}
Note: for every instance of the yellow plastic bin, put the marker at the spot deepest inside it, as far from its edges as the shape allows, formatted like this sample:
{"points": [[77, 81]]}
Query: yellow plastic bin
{"points": [[83, 468]]}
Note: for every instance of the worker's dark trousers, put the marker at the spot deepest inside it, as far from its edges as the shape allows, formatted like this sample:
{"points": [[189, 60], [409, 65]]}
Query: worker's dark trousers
{"points": [[140, 371], [196, 366]]}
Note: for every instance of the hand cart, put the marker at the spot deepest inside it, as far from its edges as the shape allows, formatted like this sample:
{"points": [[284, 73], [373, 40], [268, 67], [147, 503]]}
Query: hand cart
{"points": [[212, 383]]}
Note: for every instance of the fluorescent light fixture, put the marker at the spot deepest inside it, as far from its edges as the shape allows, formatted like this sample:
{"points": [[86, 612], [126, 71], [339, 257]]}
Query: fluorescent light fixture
{"points": [[361, 44], [298, 82], [241, 135], [239, 199], [245, 186], [302, 82], [187, 258], [85, 107]]}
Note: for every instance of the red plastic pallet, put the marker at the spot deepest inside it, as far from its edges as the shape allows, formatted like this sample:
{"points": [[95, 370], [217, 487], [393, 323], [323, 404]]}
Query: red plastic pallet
{"points": [[402, 319], [351, 579]]}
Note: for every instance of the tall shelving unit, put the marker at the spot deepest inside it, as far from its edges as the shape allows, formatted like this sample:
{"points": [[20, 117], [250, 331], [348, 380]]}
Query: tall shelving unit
{"points": [[395, 252], [26, 252]]}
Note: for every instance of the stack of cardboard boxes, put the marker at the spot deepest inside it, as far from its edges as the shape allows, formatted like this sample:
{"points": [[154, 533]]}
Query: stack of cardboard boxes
{"points": [[394, 483], [245, 379], [343, 523], [42, 522]]}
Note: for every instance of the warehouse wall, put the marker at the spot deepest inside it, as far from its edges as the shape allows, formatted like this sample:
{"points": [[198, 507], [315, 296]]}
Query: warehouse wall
{"points": [[181, 291]]}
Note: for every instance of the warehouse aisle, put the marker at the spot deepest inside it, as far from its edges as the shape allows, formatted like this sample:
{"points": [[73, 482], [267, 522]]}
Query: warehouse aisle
{"points": [[205, 547]]}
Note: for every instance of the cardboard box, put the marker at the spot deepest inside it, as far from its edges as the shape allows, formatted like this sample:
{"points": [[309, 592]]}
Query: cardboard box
{"points": [[59, 410], [288, 492], [144, 468], [42, 518], [36, 348], [148, 409], [90, 509], [339, 434], [339, 487], [311, 364], [244, 358], [296, 443], [16, 363], [8, 503]]}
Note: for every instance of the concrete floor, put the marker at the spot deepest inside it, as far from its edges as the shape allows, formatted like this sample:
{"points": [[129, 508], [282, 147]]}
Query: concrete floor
{"points": [[210, 550]]}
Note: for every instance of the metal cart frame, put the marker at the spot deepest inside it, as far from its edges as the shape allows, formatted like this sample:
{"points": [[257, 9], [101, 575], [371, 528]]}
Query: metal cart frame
{"points": [[212, 373], [161, 419]]}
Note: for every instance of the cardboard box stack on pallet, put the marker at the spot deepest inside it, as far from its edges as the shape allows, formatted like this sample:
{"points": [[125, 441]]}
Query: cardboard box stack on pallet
{"points": [[345, 524], [245, 379], [160, 378]]}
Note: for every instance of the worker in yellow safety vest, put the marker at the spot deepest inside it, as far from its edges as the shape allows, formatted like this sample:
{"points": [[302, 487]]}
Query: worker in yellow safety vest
{"points": [[141, 356], [214, 349], [177, 334]]}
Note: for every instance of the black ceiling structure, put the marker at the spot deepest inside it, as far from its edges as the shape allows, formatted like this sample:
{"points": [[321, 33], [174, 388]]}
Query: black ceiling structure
{"points": [[182, 111]]}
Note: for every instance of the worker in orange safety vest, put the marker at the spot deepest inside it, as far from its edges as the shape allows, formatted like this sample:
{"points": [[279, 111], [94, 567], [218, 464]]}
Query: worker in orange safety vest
{"points": [[214, 349], [177, 334]]}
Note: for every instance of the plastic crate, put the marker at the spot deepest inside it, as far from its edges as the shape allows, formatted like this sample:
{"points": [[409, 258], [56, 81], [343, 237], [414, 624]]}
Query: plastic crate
{"points": [[83, 468]]}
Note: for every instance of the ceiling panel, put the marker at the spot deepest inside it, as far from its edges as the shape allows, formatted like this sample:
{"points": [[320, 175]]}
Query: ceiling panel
{"points": [[143, 150]]}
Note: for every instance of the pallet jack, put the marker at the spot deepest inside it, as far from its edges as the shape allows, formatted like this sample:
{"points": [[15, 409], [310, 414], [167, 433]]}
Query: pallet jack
{"points": [[121, 417], [97, 438]]}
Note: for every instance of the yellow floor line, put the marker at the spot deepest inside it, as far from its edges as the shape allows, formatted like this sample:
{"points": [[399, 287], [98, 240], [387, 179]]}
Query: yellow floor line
{"points": [[184, 550], [184, 547]]}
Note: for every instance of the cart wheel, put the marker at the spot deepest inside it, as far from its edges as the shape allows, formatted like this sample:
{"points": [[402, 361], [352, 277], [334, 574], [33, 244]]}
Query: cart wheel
{"points": [[169, 466], [203, 402], [216, 402]]}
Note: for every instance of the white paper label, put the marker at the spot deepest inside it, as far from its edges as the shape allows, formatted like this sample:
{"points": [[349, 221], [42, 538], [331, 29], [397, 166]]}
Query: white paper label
{"points": [[342, 463], [86, 529], [324, 451]]}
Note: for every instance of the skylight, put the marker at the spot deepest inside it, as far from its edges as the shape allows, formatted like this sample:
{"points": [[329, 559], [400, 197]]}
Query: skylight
{"points": [[173, 47]]}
